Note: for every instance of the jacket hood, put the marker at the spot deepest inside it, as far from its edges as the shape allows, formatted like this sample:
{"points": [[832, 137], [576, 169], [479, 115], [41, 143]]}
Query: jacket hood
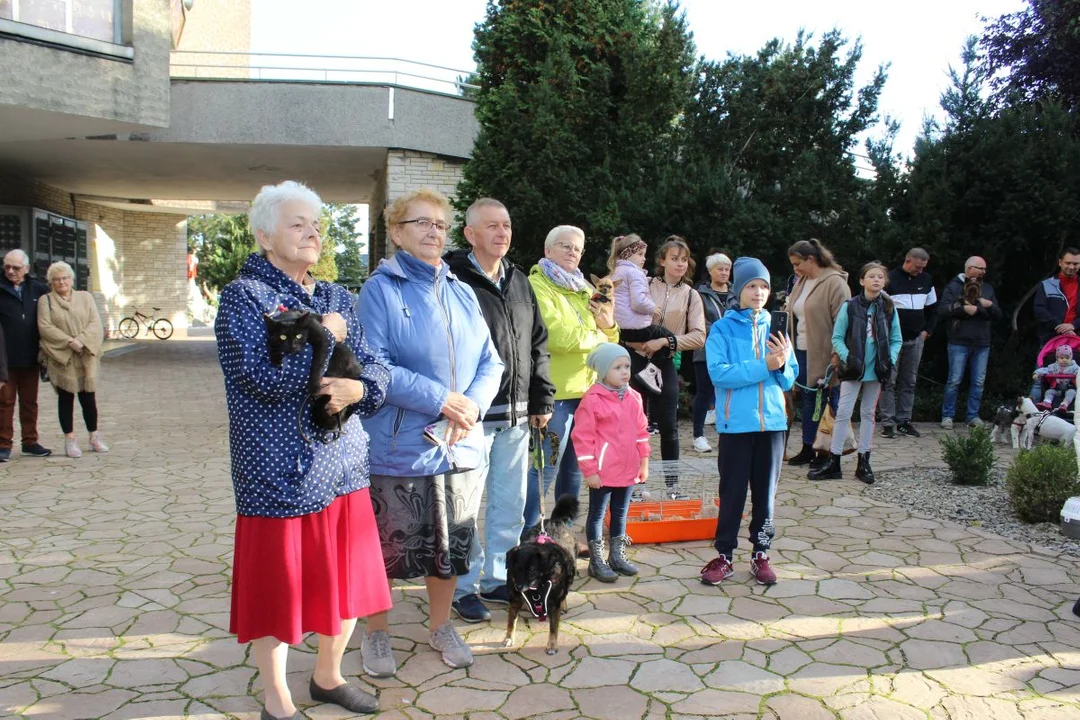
{"points": [[746, 317], [826, 272], [403, 265], [261, 269]]}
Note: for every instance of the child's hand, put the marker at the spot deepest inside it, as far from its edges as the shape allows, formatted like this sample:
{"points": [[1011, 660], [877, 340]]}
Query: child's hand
{"points": [[593, 481], [643, 472]]}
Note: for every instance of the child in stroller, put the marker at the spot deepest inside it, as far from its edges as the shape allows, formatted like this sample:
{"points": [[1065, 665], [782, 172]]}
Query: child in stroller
{"points": [[1056, 382]]}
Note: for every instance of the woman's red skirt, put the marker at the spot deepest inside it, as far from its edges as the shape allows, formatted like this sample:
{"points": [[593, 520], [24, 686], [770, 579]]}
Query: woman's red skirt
{"points": [[306, 574]]}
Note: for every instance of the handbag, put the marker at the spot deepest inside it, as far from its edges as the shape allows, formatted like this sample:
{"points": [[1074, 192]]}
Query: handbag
{"points": [[650, 378], [826, 426]]}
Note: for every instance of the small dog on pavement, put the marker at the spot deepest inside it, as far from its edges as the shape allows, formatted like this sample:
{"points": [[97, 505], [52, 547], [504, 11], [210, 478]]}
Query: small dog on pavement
{"points": [[540, 570], [1042, 424], [1005, 425]]}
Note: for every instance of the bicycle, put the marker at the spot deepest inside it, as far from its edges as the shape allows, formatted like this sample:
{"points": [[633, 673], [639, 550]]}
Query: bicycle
{"points": [[160, 327]]}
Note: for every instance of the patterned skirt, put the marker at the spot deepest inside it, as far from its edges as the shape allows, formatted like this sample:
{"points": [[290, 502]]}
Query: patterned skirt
{"points": [[426, 524]]}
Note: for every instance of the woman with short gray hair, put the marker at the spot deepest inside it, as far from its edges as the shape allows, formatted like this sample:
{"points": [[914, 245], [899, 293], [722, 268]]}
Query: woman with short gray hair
{"points": [[71, 339], [716, 297]]}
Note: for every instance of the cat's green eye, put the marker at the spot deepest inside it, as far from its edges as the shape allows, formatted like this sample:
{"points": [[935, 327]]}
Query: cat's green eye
{"points": [[283, 337]]}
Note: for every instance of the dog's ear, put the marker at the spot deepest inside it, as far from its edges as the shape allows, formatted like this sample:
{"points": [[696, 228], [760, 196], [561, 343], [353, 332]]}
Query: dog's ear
{"points": [[511, 557], [595, 280], [616, 283]]}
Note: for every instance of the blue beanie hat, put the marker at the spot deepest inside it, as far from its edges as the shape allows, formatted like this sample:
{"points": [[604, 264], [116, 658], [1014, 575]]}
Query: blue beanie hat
{"points": [[602, 357], [746, 269]]}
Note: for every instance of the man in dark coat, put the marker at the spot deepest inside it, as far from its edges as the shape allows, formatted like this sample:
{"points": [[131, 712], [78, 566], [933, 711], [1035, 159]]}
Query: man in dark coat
{"points": [[1056, 299], [19, 295], [968, 308], [526, 397]]}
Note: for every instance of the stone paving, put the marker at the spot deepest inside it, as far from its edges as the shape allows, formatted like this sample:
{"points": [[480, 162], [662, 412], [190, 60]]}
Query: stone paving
{"points": [[114, 599]]}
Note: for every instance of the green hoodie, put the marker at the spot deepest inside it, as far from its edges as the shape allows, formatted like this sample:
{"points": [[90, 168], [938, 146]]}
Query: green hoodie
{"points": [[572, 333]]}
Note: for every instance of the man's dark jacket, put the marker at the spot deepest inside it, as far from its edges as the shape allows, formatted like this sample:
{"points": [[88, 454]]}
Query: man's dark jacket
{"points": [[18, 317], [520, 336], [1050, 307], [964, 329], [915, 299]]}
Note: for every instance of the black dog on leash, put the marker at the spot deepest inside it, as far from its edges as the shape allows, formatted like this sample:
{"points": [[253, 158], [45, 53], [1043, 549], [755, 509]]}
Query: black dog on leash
{"points": [[540, 570]]}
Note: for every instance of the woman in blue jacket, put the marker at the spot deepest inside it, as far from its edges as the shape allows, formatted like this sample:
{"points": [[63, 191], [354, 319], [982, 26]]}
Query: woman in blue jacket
{"points": [[866, 343], [751, 370], [427, 442]]}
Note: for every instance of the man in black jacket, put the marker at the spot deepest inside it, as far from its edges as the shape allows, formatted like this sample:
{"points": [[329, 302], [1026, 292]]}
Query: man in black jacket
{"points": [[967, 319], [1056, 299], [525, 399], [912, 291], [18, 316]]}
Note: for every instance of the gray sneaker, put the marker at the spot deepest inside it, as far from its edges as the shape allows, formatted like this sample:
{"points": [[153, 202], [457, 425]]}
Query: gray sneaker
{"points": [[946, 424], [976, 422], [377, 655], [455, 652]]}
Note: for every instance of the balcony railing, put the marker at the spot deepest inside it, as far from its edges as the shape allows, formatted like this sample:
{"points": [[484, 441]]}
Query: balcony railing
{"points": [[360, 70]]}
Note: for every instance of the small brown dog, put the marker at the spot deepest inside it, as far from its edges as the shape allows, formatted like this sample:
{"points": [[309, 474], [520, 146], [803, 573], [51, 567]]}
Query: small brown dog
{"points": [[605, 288], [972, 291]]}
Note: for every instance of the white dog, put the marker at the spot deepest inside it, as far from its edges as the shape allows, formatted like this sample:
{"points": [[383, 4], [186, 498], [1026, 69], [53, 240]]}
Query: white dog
{"points": [[1043, 424]]}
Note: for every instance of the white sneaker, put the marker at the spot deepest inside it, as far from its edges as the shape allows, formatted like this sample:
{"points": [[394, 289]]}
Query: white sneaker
{"points": [[97, 444], [710, 417], [946, 424], [71, 448], [702, 445]]}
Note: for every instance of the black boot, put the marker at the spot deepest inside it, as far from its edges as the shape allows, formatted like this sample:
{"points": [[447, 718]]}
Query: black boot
{"points": [[1076, 608], [617, 559], [822, 460], [830, 471], [598, 567], [804, 457], [863, 471]]}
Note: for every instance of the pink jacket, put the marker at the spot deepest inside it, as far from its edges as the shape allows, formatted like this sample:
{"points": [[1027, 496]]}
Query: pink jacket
{"points": [[610, 435]]}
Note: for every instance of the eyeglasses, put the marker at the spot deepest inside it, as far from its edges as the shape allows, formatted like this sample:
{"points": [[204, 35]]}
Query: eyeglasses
{"points": [[570, 248], [16, 267], [425, 225]]}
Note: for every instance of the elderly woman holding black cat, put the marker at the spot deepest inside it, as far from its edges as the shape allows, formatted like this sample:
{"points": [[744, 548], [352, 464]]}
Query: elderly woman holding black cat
{"points": [[306, 551], [428, 441]]}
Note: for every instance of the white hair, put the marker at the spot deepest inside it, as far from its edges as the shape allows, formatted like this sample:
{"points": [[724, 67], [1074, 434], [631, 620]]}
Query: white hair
{"points": [[557, 233], [717, 259], [59, 269], [265, 212], [23, 257]]}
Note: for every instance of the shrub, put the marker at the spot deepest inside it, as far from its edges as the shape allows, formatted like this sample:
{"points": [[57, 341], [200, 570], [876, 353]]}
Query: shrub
{"points": [[1041, 480], [970, 457]]}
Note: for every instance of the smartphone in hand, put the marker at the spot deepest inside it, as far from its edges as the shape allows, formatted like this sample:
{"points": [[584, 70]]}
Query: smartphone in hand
{"points": [[779, 324]]}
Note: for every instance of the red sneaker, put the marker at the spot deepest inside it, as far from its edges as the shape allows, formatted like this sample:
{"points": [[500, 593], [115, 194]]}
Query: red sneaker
{"points": [[761, 570], [717, 571]]}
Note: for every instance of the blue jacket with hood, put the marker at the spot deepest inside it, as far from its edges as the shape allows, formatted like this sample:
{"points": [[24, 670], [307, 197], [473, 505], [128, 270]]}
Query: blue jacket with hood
{"points": [[275, 472], [425, 325], [749, 396]]}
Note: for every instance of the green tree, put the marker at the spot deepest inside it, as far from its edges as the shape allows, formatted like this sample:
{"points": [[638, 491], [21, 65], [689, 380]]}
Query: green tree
{"points": [[578, 104], [222, 243], [341, 228], [1035, 53]]}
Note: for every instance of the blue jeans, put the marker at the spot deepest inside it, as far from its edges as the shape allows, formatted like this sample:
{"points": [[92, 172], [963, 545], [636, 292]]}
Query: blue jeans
{"points": [[507, 463], [598, 504], [975, 359], [561, 465]]}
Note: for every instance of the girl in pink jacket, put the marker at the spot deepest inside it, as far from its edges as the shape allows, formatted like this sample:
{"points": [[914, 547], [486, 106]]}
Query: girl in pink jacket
{"points": [[611, 438]]}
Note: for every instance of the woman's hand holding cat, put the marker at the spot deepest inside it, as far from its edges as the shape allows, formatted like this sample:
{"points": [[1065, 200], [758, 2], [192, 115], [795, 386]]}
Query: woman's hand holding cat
{"points": [[460, 410], [342, 392], [336, 325]]}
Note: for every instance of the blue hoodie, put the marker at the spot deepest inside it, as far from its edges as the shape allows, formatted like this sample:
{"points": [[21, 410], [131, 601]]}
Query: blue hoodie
{"points": [[275, 472], [426, 326], [749, 397]]}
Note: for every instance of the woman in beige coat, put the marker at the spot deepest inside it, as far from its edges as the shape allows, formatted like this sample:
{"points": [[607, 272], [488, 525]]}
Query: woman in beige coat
{"points": [[681, 312], [71, 339], [822, 289]]}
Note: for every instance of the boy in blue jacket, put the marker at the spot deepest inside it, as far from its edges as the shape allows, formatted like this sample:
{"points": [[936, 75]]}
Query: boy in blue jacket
{"points": [[750, 369]]}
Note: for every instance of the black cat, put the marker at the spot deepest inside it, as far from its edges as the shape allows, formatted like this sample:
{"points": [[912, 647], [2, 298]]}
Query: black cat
{"points": [[288, 333]]}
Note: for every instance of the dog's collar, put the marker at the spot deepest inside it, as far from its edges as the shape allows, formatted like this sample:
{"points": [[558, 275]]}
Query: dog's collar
{"points": [[538, 606]]}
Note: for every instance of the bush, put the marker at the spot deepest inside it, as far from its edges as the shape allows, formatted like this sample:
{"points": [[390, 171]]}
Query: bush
{"points": [[1041, 480], [970, 457]]}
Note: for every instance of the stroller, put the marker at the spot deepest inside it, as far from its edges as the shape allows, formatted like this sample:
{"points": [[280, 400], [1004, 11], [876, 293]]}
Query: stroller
{"points": [[1047, 355]]}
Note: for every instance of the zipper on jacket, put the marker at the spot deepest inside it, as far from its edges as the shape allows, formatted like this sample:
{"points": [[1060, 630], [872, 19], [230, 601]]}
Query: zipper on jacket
{"points": [[397, 428], [449, 336], [512, 398], [757, 354]]}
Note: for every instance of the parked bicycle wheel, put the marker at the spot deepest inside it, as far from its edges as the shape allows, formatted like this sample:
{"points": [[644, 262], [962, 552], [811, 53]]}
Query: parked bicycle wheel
{"points": [[162, 328], [128, 327]]}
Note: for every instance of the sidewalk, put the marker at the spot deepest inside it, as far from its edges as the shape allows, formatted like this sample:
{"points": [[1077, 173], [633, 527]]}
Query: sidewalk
{"points": [[114, 600]]}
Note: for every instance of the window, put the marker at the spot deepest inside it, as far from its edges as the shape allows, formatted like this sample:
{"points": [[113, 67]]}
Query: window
{"points": [[95, 19]]}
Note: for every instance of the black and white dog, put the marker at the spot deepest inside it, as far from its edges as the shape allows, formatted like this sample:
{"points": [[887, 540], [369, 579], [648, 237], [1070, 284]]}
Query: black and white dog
{"points": [[1038, 423]]}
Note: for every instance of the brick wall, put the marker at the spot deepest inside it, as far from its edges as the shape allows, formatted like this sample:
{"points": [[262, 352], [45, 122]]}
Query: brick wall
{"points": [[408, 170]]}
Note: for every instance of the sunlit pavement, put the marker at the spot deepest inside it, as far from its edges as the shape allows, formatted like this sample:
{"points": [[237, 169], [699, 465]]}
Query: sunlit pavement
{"points": [[115, 599]]}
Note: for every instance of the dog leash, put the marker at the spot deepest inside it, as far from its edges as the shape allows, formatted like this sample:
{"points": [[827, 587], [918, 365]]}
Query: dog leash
{"points": [[536, 442]]}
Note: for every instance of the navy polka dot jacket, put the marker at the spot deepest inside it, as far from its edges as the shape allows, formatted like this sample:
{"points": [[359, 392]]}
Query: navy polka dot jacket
{"points": [[275, 472]]}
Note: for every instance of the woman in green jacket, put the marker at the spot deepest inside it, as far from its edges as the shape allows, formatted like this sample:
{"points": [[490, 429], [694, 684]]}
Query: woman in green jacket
{"points": [[575, 326]]}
